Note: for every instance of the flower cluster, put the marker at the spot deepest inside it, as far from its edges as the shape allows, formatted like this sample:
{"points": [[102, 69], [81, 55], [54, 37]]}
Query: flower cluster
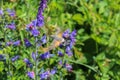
{"points": [[11, 26], [40, 18], [45, 56], [47, 74], [11, 12], [32, 28], [69, 41], [39, 22]]}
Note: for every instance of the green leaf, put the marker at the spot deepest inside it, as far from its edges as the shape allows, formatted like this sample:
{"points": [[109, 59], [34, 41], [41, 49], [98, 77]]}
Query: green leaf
{"points": [[1, 66], [78, 18]]}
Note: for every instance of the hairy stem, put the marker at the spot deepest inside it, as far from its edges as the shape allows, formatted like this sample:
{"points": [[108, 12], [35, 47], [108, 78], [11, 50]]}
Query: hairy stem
{"points": [[36, 62]]}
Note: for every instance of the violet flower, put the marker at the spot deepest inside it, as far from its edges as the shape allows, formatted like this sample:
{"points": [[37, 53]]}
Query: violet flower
{"points": [[11, 26], [27, 43], [11, 12], [31, 75], [1, 12], [13, 59], [69, 41], [16, 43], [28, 63], [68, 67], [44, 75], [33, 55], [72, 36], [74, 33], [43, 39], [35, 32], [9, 43], [34, 22], [45, 56], [53, 71], [60, 54], [66, 34], [40, 20], [68, 51], [31, 25]]}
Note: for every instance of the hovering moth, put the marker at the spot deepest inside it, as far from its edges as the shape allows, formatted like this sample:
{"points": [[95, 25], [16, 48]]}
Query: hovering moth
{"points": [[57, 40]]}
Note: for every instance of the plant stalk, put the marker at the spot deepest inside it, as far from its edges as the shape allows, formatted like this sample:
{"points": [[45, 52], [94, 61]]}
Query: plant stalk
{"points": [[36, 62]]}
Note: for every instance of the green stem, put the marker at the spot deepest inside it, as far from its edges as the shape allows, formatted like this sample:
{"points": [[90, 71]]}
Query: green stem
{"points": [[5, 38], [1, 3], [87, 66], [96, 48], [36, 62]]}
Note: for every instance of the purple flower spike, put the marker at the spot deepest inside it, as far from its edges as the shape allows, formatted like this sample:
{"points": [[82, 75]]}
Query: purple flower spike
{"points": [[43, 39], [27, 43], [31, 75], [9, 43], [11, 12], [1, 12], [40, 18], [11, 26], [43, 4], [44, 75], [16, 43], [35, 32], [45, 56], [13, 59]]}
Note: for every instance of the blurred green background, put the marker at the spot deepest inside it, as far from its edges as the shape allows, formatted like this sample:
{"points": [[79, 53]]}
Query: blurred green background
{"points": [[97, 49]]}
